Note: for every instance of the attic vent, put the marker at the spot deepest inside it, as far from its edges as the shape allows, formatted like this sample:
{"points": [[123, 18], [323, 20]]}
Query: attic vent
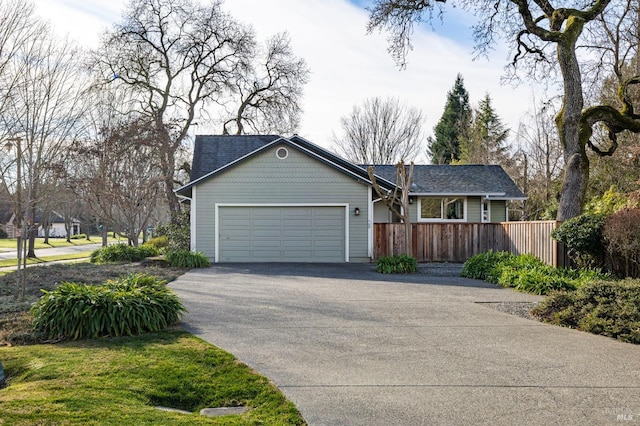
{"points": [[282, 153]]}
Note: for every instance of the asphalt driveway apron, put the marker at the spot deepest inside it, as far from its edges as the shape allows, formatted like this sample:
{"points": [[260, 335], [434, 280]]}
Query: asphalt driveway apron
{"points": [[352, 347]]}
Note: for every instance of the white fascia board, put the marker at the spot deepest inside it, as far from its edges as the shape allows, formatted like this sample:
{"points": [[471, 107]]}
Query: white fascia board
{"points": [[457, 194]]}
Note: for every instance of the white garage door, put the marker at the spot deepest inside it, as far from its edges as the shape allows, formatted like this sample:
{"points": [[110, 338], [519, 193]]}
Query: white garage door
{"points": [[281, 234]]}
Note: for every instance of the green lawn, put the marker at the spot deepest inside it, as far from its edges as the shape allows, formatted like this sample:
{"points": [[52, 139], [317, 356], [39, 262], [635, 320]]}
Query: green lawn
{"points": [[11, 243], [120, 380]]}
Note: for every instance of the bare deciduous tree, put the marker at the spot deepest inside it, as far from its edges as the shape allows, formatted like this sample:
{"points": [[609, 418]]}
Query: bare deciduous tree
{"points": [[172, 56], [122, 180], [534, 28], [398, 200], [266, 98], [539, 163], [381, 131]]}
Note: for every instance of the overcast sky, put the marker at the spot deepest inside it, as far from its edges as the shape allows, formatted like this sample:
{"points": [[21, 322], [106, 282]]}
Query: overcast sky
{"points": [[347, 65]]}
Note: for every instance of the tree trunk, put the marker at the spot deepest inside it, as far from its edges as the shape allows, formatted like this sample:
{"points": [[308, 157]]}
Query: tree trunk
{"points": [[32, 230], [576, 173]]}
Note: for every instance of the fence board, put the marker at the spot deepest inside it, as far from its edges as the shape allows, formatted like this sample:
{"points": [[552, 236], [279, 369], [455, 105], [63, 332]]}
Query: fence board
{"points": [[456, 242]]}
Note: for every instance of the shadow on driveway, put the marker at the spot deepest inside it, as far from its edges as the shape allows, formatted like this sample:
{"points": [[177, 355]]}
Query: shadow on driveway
{"points": [[431, 273]]}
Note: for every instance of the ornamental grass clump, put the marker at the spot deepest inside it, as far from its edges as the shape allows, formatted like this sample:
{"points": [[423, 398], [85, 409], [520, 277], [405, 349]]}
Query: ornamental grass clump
{"points": [[186, 259], [123, 253], [400, 264], [130, 305]]}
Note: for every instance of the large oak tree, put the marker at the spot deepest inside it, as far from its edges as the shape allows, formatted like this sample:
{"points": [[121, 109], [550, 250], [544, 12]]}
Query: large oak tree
{"points": [[534, 27]]}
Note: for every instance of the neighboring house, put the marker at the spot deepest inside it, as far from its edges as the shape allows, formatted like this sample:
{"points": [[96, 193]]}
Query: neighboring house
{"points": [[56, 225], [273, 199]]}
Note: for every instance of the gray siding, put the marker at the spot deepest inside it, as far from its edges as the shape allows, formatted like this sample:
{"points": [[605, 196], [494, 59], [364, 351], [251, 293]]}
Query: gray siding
{"points": [[381, 213], [297, 179], [498, 211], [474, 209]]}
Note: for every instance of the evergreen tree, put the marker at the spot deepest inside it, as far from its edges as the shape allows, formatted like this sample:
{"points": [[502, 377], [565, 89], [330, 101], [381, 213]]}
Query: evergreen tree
{"points": [[452, 127], [487, 138]]}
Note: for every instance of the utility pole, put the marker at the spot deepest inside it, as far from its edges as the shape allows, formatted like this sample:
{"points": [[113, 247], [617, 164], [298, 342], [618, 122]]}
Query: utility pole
{"points": [[21, 237]]}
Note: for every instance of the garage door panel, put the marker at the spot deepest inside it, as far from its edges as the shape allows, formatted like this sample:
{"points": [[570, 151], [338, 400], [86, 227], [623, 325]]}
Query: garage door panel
{"points": [[266, 223], [231, 233], [299, 223], [298, 233], [266, 233], [327, 244], [293, 255], [282, 234], [302, 244]]}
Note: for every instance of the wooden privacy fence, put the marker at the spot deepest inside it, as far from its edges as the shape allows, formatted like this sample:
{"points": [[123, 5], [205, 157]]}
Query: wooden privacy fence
{"points": [[456, 242]]}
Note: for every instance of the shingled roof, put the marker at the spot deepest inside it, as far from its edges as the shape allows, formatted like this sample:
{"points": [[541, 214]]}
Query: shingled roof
{"points": [[464, 179], [215, 152]]}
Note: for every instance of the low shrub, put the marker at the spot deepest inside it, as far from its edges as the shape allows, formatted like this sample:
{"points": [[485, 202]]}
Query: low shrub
{"points": [[130, 305], [481, 266], [159, 243], [399, 264], [78, 237], [186, 259], [3, 234], [609, 308], [525, 272], [122, 253]]}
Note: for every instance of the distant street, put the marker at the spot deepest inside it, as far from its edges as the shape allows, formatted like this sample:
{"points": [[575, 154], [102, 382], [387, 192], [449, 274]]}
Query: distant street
{"points": [[53, 251]]}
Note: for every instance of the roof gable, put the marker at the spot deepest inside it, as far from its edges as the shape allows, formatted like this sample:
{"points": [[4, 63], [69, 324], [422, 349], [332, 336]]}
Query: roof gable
{"points": [[229, 156]]}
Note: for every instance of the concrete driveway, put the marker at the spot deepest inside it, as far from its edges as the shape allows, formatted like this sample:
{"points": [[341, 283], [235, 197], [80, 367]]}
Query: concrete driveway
{"points": [[352, 347]]}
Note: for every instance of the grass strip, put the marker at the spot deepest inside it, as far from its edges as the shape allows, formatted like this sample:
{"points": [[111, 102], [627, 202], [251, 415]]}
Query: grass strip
{"points": [[44, 259], [120, 380]]}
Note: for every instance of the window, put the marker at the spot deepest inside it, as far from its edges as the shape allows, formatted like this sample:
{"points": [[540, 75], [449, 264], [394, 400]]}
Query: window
{"points": [[435, 209]]}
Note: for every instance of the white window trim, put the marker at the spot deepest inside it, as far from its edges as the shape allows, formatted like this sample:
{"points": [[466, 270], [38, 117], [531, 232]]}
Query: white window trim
{"points": [[194, 220], [482, 203], [217, 220], [442, 220]]}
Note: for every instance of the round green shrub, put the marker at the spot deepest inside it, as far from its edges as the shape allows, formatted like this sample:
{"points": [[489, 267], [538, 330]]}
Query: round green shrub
{"points": [[130, 305], [582, 236], [186, 259], [122, 253]]}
